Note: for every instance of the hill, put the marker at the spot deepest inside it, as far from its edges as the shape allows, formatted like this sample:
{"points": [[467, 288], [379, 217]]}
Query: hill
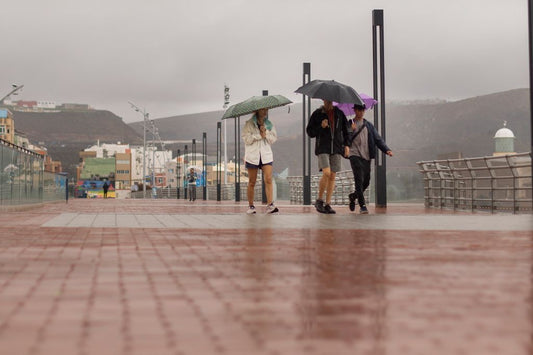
{"points": [[66, 133], [415, 131], [419, 131]]}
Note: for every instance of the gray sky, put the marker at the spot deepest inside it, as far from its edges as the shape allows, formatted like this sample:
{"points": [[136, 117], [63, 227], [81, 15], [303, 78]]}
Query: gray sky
{"points": [[174, 56]]}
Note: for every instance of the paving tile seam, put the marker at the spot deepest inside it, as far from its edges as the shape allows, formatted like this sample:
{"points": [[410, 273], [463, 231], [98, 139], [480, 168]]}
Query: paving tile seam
{"points": [[305, 221]]}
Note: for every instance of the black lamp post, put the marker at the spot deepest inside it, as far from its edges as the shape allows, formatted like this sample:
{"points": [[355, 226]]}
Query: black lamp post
{"points": [[379, 94], [178, 175], [204, 165], [263, 190], [219, 158], [237, 164], [185, 161], [306, 176], [530, 20]]}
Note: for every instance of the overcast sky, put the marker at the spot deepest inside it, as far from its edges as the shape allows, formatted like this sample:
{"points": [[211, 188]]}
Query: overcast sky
{"points": [[174, 56]]}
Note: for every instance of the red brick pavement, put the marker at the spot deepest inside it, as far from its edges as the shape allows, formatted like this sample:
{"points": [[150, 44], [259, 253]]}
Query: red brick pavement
{"points": [[247, 291]]}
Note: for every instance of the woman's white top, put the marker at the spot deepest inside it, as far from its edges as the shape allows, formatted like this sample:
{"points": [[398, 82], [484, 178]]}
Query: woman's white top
{"points": [[255, 147]]}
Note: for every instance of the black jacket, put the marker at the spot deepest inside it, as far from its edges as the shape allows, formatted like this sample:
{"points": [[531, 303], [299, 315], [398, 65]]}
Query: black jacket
{"points": [[328, 141], [374, 140]]}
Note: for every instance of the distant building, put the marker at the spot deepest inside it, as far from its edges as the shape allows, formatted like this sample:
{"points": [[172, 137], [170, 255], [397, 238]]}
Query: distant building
{"points": [[504, 141], [106, 150], [171, 173], [50, 165], [46, 105], [154, 159], [128, 164], [25, 105], [123, 170], [21, 139], [97, 169], [7, 126]]}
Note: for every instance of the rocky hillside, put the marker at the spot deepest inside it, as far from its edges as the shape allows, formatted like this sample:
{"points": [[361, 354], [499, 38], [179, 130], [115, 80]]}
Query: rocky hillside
{"points": [[74, 126], [414, 131], [66, 133]]}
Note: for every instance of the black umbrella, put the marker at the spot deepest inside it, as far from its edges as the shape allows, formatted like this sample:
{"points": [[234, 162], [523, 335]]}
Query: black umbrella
{"points": [[330, 90]]}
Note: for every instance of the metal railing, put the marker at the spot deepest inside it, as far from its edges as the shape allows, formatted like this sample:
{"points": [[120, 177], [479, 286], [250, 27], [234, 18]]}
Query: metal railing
{"points": [[344, 185], [493, 183], [23, 179]]}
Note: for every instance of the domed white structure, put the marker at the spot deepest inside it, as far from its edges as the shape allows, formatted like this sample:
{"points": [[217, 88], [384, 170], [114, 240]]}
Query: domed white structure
{"points": [[504, 141]]}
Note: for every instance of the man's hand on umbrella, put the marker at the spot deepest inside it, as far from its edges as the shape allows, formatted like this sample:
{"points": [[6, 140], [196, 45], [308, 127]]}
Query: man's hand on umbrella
{"points": [[325, 123]]}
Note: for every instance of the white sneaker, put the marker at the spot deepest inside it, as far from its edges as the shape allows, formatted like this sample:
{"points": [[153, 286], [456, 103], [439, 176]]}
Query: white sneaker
{"points": [[271, 209], [251, 210]]}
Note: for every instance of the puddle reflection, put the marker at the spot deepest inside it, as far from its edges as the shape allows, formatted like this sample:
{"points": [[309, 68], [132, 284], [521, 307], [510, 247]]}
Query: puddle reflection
{"points": [[343, 289]]}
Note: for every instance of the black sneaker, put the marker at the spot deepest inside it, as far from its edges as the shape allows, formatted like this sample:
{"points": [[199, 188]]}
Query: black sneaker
{"points": [[364, 210], [329, 210], [319, 205], [352, 198]]}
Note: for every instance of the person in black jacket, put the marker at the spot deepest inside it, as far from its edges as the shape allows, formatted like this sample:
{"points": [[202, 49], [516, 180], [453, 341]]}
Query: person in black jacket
{"points": [[364, 138], [329, 126], [105, 186], [191, 183]]}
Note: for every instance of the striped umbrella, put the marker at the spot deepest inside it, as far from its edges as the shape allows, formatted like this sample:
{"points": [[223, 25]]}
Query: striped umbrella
{"points": [[255, 103]]}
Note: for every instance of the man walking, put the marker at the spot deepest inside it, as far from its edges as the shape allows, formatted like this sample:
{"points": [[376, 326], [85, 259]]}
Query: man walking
{"points": [[364, 138], [191, 183], [329, 126]]}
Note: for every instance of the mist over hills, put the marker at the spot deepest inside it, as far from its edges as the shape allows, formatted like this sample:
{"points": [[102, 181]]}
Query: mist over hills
{"points": [[415, 131]]}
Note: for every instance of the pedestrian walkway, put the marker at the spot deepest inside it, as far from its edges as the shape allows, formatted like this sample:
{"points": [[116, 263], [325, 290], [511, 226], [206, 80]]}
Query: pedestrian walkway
{"points": [[177, 277]]}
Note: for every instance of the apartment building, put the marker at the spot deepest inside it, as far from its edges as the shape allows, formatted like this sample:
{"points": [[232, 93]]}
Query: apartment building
{"points": [[7, 126]]}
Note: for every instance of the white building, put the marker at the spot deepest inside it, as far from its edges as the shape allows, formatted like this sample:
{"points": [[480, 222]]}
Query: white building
{"points": [[155, 161], [106, 150], [46, 104], [504, 141]]}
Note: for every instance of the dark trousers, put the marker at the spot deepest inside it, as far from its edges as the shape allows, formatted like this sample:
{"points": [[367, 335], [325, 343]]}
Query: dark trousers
{"points": [[192, 191], [361, 177]]}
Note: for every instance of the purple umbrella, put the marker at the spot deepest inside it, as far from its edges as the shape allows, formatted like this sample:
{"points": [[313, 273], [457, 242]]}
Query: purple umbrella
{"points": [[348, 108]]}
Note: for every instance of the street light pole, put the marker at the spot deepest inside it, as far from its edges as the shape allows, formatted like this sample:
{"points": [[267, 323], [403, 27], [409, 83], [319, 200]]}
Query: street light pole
{"points": [[12, 92], [145, 118]]}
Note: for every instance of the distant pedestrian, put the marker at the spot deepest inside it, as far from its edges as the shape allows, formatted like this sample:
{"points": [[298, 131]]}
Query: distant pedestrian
{"points": [[328, 125], [364, 138], [191, 182], [259, 134], [105, 187]]}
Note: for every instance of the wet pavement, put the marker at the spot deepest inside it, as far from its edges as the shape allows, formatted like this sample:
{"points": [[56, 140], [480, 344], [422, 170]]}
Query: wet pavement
{"points": [[173, 277]]}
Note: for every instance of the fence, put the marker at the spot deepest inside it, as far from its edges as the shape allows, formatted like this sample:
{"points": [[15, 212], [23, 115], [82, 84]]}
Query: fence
{"points": [[344, 185], [290, 189], [495, 183], [227, 192], [23, 179]]}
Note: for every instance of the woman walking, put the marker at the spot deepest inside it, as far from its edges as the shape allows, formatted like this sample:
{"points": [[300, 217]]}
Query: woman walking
{"points": [[258, 135]]}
